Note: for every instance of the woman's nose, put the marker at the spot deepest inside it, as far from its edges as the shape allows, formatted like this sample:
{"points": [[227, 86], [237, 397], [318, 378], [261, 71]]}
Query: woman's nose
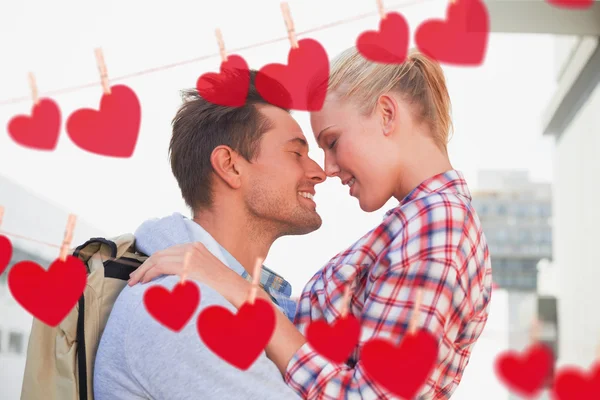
{"points": [[331, 168]]}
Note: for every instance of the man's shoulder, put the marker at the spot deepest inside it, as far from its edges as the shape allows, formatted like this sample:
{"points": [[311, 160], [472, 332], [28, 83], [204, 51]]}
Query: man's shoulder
{"points": [[181, 359], [130, 319], [131, 326]]}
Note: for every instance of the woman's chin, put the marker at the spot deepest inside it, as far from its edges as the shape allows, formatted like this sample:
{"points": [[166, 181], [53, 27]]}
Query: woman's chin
{"points": [[366, 206], [369, 205]]}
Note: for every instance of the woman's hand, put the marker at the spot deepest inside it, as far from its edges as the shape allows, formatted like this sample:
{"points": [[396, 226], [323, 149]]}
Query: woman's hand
{"points": [[202, 264]]}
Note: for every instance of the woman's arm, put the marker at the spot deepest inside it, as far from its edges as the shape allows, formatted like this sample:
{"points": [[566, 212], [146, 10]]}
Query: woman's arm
{"points": [[286, 339], [206, 268]]}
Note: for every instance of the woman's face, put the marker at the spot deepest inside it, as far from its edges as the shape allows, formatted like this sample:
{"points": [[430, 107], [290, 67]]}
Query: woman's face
{"points": [[365, 152]]}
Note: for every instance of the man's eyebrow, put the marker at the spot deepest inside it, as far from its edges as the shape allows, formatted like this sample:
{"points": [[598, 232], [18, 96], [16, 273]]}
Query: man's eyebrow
{"points": [[299, 141]]}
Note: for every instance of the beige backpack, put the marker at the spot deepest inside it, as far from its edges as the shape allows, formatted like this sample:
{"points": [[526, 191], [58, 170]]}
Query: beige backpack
{"points": [[60, 359]]}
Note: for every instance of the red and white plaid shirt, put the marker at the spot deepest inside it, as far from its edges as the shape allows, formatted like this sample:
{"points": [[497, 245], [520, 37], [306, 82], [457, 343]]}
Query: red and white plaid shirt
{"points": [[432, 240]]}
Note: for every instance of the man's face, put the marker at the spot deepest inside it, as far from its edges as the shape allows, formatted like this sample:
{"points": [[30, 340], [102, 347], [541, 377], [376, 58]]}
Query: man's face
{"points": [[282, 179]]}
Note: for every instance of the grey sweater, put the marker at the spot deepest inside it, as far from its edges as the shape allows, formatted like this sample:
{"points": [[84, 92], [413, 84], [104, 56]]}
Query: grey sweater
{"points": [[140, 359]]}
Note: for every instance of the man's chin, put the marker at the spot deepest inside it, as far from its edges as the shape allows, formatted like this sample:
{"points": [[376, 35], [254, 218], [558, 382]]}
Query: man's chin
{"points": [[307, 225]]}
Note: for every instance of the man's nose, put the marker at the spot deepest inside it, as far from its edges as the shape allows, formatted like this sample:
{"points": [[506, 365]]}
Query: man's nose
{"points": [[316, 173]]}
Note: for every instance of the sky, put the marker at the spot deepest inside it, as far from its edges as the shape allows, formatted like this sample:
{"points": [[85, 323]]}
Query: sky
{"points": [[497, 107]]}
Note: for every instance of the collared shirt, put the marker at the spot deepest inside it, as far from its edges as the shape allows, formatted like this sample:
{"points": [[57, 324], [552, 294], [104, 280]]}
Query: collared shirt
{"points": [[433, 241], [276, 287]]}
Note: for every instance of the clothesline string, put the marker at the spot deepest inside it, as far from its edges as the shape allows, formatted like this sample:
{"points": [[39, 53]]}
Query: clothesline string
{"points": [[216, 54]]}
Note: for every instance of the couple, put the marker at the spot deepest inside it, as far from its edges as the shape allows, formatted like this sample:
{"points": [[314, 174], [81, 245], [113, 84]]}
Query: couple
{"points": [[246, 175]]}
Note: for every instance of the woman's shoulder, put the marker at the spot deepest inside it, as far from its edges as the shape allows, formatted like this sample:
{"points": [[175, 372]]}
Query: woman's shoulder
{"points": [[434, 207]]}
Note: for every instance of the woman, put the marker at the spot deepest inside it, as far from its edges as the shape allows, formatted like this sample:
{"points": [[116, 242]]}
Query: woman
{"points": [[384, 130]]}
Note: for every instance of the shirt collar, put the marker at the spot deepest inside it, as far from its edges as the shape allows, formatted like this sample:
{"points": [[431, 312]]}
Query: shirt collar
{"points": [[269, 280], [451, 181]]}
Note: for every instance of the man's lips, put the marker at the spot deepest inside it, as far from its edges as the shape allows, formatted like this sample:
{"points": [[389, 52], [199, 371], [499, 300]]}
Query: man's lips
{"points": [[308, 198]]}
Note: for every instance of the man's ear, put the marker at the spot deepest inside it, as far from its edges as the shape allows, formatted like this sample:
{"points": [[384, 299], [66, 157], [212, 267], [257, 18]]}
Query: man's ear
{"points": [[226, 162]]}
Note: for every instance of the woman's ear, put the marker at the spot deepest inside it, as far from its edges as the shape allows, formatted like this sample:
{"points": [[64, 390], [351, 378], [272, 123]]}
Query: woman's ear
{"points": [[226, 164], [388, 107]]}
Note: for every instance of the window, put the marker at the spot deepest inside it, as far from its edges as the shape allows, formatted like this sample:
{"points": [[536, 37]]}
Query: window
{"points": [[482, 209], [501, 235], [501, 209], [524, 235], [520, 210], [15, 342], [544, 210]]}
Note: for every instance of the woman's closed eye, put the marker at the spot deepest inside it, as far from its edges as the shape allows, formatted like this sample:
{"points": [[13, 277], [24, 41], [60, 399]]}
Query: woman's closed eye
{"points": [[332, 144]]}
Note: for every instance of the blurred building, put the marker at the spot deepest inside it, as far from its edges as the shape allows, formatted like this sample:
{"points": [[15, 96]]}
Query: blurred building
{"points": [[515, 215], [26, 214], [573, 118], [570, 281]]}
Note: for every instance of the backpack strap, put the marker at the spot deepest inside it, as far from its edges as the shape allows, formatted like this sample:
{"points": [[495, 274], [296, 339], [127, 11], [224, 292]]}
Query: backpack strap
{"points": [[112, 269], [81, 356]]}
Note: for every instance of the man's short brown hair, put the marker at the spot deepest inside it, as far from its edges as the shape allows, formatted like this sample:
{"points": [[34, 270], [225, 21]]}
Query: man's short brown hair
{"points": [[200, 126]]}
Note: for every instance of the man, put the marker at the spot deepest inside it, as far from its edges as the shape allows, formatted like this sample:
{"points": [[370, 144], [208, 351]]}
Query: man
{"points": [[246, 175]]}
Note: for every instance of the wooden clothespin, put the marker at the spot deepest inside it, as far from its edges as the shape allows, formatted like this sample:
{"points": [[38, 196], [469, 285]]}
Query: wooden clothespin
{"points": [[381, 9], [289, 23], [414, 319], [346, 301], [103, 70], [34, 89], [68, 237], [221, 45], [186, 266], [535, 331], [255, 281]]}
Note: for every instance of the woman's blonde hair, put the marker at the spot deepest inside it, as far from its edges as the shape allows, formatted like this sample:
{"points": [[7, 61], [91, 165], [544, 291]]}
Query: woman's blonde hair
{"points": [[419, 81]]}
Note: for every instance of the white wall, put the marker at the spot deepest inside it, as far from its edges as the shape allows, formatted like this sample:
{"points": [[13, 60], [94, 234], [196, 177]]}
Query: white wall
{"points": [[563, 47], [576, 195]]}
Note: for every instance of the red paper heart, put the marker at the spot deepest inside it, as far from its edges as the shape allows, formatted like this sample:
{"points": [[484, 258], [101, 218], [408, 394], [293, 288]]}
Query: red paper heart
{"points": [[461, 39], [334, 342], [525, 374], [389, 44], [48, 295], [112, 131], [401, 369], [304, 79], [40, 131], [238, 339], [175, 308], [576, 4], [574, 384], [230, 86], [5, 252]]}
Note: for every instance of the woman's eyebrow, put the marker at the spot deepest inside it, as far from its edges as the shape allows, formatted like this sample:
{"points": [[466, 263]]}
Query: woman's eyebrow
{"points": [[320, 133]]}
